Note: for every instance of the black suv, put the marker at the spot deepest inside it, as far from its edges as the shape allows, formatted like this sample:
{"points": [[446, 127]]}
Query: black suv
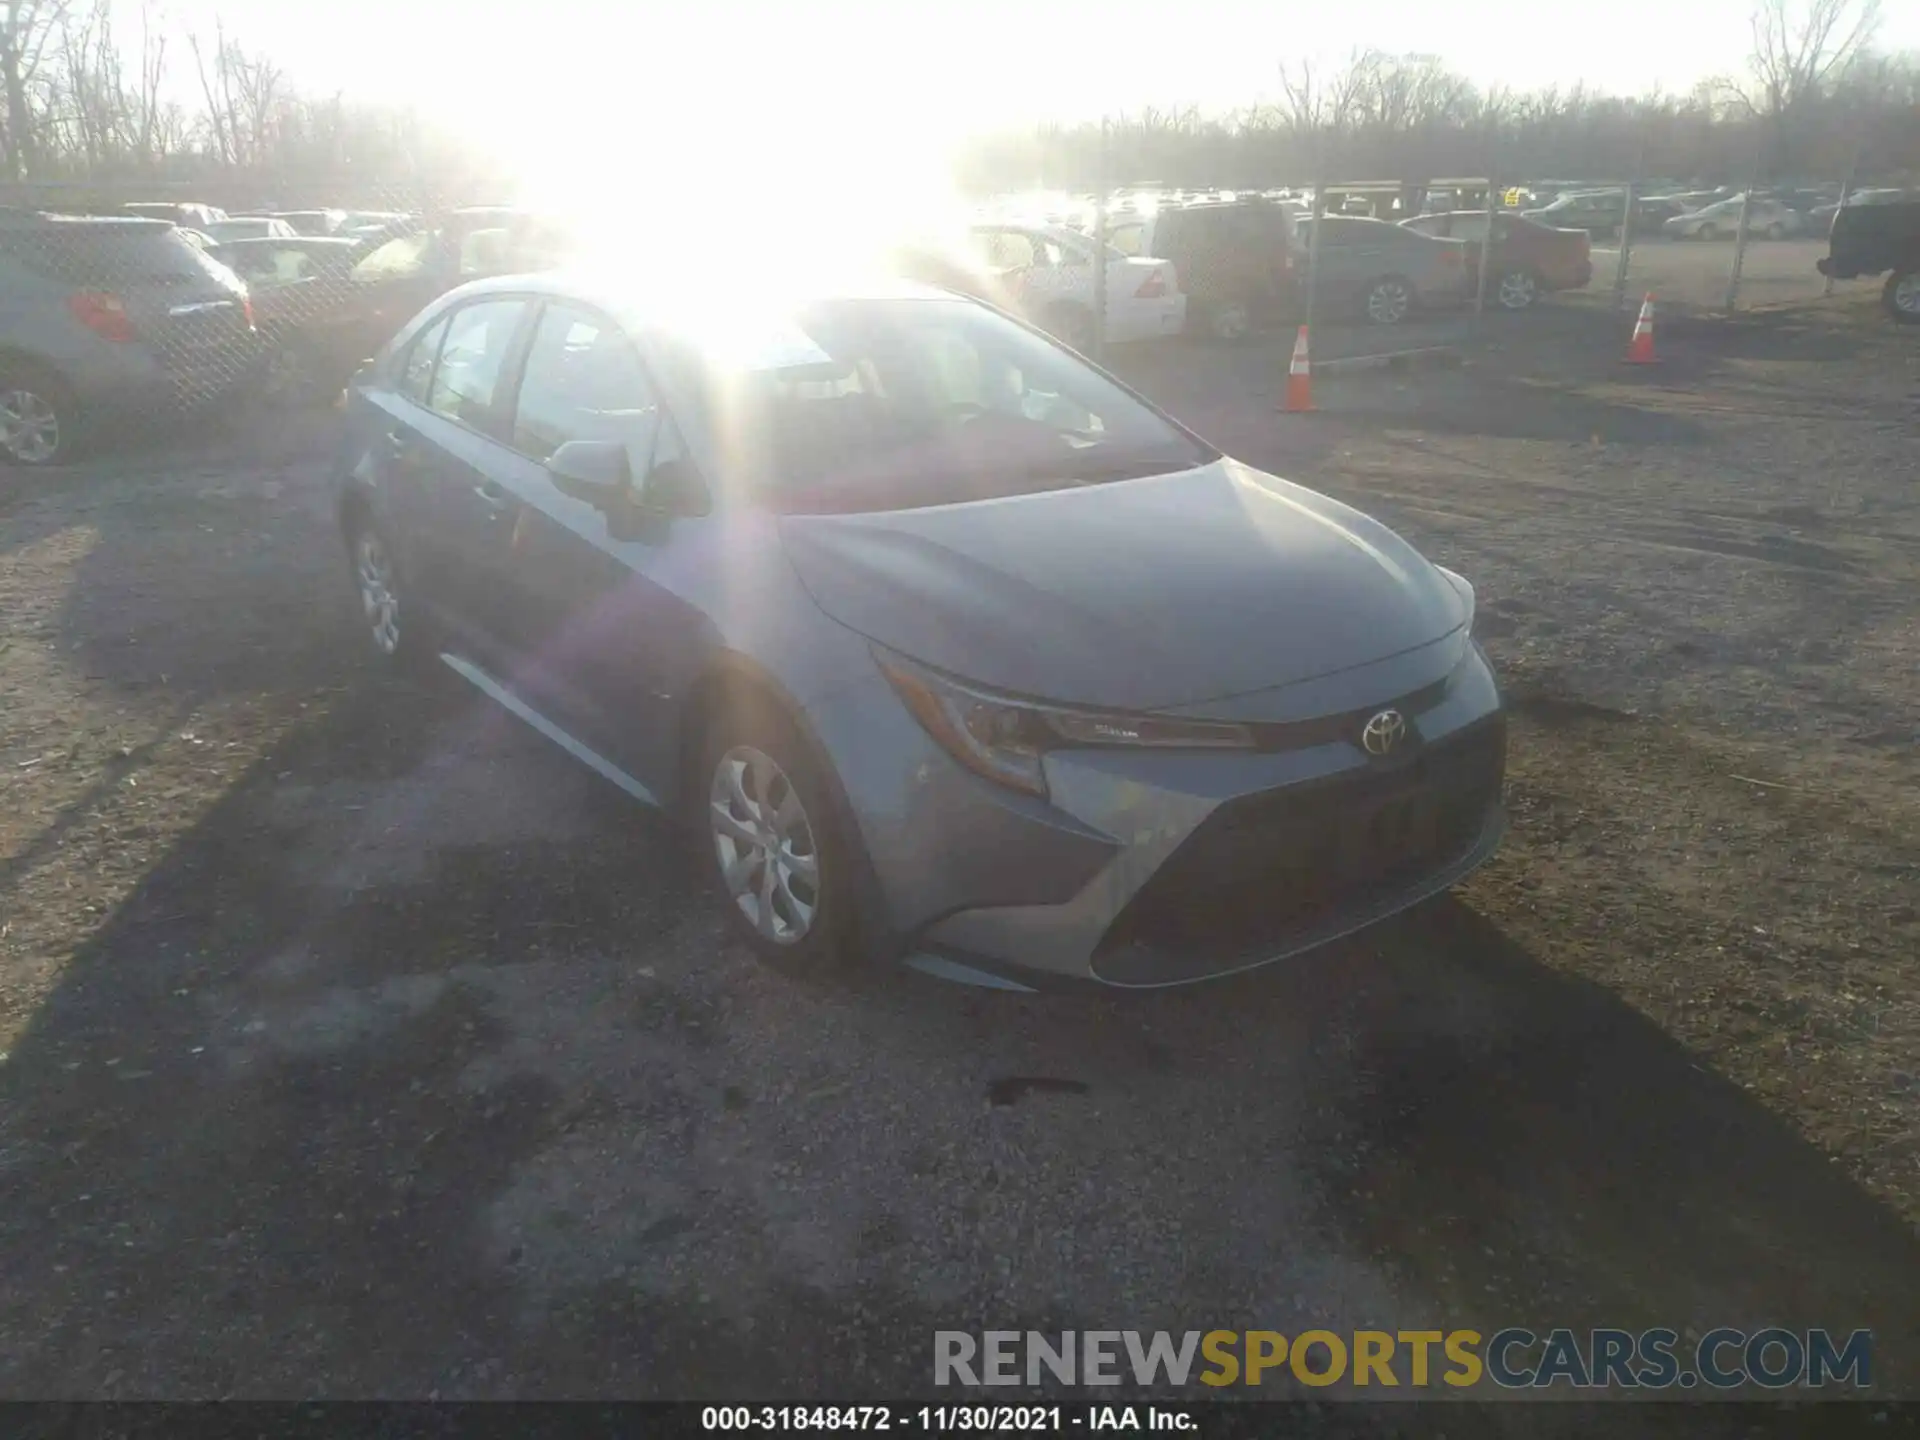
{"points": [[1872, 239], [102, 318]]}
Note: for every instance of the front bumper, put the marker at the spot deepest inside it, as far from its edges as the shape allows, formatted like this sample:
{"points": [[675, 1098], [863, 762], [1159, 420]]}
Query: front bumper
{"points": [[1150, 869]]}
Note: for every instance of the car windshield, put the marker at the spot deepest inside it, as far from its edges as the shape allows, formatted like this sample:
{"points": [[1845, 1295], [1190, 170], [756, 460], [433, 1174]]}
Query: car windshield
{"points": [[863, 405]]}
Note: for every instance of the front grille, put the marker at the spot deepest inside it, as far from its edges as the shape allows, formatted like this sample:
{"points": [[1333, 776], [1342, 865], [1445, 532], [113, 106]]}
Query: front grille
{"points": [[1264, 866]]}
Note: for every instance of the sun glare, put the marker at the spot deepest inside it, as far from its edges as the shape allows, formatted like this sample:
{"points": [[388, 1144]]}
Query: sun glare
{"points": [[784, 166]]}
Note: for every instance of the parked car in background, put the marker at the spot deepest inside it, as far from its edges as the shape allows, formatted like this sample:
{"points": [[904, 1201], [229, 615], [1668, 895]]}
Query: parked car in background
{"points": [[1721, 220], [191, 215], [845, 565], [1051, 269], [1802, 198], [390, 280], [1881, 238], [277, 261], [247, 227], [1528, 259], [1382, 270], [298, 284], [1597, 212], [1683, 202], [1651, 213], [371, 222], [1821, 216], [109, 318], [313, 222], [1236, 262]]}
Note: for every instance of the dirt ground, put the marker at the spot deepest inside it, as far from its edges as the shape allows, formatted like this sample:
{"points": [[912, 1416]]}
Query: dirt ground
{"points": [[360, 1045]]}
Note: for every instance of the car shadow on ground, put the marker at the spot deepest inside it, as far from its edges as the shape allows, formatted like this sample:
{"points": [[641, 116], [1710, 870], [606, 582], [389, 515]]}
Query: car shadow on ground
{"points": [[422, 1063]]}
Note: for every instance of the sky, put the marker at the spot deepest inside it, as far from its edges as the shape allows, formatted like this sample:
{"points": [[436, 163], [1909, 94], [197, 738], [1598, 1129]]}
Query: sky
{"points": [[960, 65], [684, 89]]}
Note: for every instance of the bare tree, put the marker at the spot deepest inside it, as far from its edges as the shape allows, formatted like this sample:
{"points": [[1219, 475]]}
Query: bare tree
{"points": [[1799, 48], [26, 27]]}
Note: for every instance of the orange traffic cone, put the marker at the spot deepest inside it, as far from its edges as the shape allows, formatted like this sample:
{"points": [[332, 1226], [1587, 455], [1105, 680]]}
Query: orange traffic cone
{"points": [[1640, 350], [1299, 376]]}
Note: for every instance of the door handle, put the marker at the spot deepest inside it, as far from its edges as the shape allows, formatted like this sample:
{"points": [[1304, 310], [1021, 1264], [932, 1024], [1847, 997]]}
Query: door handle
{"points": [[399, 442], [493, 496]]}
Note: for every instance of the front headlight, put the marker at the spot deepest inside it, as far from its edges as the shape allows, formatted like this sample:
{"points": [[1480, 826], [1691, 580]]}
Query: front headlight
{"points": [[1465, 589], [1003, 738]]}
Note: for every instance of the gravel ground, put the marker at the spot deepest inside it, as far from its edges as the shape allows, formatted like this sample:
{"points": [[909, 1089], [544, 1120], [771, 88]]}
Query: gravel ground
{"points": [[360, 1045]]}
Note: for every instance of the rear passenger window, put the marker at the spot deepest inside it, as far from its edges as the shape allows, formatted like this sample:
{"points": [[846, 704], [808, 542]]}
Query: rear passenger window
{"points": [[471, 358], [583, 381], [417, 371]]}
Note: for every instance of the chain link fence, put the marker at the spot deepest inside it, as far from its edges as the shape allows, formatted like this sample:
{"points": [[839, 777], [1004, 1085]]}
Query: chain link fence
{"points": [[1246, 261]]}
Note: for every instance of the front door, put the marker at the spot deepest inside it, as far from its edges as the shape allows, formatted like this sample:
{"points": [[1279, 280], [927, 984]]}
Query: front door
{"points": [[602, 644]]}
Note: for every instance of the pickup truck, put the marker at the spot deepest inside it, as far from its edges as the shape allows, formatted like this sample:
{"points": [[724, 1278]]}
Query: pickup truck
{"points": [[1871, 239]]}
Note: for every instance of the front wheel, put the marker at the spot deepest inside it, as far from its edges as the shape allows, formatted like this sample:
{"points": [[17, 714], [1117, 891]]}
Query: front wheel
{"points": [[1902, 297], [1776, 231], [1389, 301], [771, 835], [1230, 320], [289, 378], [1708, 231], [1517, 290], [39, 419]]}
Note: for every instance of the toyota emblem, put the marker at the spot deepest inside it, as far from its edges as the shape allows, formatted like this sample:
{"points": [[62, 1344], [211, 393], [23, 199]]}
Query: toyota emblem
{"points": [[1383, 732]]}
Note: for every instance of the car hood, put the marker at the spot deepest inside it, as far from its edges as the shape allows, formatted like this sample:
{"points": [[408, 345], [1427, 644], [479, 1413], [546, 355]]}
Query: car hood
{"points": [[1136, 595]]}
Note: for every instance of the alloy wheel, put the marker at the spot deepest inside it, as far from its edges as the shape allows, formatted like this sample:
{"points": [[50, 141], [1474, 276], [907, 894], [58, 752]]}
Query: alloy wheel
{"points": [[1231, 321], [379, 596], [1517, 290], [285, 379], [1906, 295], [29, 427], [769, 860], [1388, 302]]}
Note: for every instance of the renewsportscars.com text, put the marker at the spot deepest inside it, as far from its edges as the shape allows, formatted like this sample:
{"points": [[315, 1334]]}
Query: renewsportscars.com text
{"points": [[1512, 1358]]}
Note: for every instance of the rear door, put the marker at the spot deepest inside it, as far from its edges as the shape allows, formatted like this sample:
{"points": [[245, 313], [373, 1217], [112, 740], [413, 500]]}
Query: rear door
{"points": [[464, 426], [434, 451]]}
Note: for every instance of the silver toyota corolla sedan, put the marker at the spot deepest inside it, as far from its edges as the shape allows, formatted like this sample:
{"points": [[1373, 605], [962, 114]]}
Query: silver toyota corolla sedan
{"points": [[949, 647]]}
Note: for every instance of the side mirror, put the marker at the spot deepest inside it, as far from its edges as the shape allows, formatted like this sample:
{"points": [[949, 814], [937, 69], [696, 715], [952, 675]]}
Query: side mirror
{"points": [[674, 488], [591, 470]]}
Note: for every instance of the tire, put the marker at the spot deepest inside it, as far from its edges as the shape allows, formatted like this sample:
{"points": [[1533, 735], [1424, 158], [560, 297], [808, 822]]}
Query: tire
{"points": [[1707, 231], [397, 637], [289, 378], [1517, 289], [1901, 297], [1229, 321], [1389, 300], [41, 425], [1776, 231], [1072, 326], [764, 798]]}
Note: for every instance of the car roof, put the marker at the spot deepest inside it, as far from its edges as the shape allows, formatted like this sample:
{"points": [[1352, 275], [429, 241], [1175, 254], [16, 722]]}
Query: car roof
{"points": [[617, 293], [342, 243], [84, 224]]}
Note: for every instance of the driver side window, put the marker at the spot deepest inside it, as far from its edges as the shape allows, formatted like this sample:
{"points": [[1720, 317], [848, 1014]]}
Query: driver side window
{"points": [[583, 381]]}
